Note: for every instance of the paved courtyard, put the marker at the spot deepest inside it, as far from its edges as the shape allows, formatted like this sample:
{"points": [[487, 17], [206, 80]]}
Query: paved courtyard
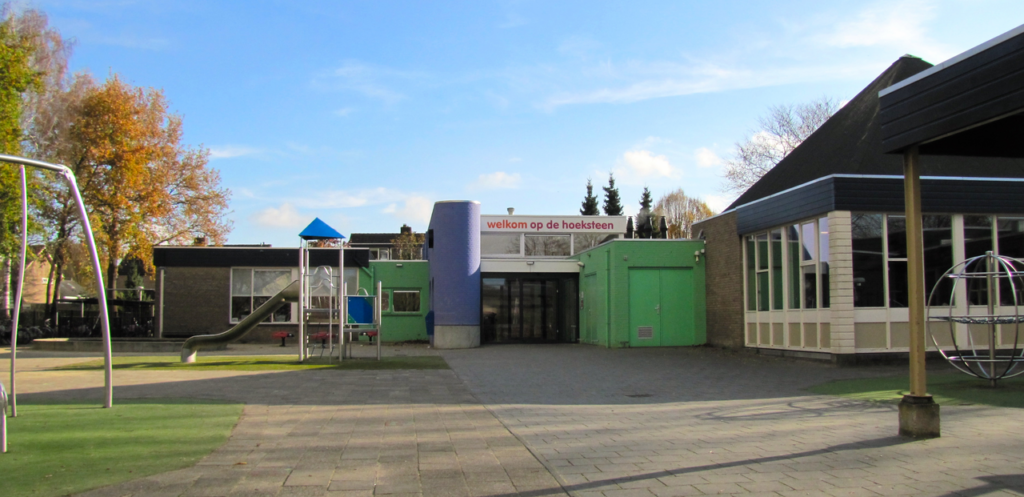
{"points": [[549, 420]]}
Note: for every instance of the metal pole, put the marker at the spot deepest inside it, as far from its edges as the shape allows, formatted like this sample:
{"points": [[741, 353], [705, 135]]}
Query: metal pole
{"points": [[161, 310], [101, 297], [3, 419], [101, 291], [378, 317], [990, 267], [915, 271], [302, 300], [17, 294]]}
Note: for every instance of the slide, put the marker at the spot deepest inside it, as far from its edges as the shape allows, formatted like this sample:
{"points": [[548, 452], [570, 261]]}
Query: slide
{"points": [[247, 324]]}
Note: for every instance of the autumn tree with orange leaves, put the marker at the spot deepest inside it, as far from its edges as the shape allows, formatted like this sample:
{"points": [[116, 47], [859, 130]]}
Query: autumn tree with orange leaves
{"points": [[142, 185]]}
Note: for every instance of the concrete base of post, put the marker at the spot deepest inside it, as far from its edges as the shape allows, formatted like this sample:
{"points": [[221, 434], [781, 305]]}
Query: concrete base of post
{"points": [[919, 417], [456, 337]]}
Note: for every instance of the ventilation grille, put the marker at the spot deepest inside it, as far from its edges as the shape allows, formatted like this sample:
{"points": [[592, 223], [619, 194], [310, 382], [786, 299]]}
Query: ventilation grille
{"points": [[644, 332]]}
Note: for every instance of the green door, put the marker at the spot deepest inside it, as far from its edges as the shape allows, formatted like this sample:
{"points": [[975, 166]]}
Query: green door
{"points": [[660, 308], [644, 307], [677, 327]]}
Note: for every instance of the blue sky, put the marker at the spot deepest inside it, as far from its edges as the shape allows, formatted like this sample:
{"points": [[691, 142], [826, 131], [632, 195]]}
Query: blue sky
{"points": [[365, 113]]}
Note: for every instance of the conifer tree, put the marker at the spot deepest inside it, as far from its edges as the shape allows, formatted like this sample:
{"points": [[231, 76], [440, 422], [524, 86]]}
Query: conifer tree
{"points": [[644, 220], [612, 204], [590, 207]]}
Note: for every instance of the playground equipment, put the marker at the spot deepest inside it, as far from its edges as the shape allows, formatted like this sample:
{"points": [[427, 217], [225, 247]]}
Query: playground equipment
{"points": [[324, 298], [194, 344], [971, 341], [101, 297], [321, 298]]}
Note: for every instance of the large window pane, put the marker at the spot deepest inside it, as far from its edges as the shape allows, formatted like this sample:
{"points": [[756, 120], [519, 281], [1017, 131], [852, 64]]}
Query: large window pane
{"points": [[868, 269], [499, 244], [898, 284], [751, 275], [810, 237], [241, 281], [793, 251], [762, 291], [762, 251], [268, 283], [977, 241], [777, 288], [897, 236], [938, 257], [810, 287], [546, 245], [240, 307], [977, 235], [823, 258], [584, 241], [1011, 244]]}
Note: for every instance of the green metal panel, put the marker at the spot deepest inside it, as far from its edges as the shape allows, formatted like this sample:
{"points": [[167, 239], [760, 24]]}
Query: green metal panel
{"points": [[588, 308], [676, 308], [645, 328]]}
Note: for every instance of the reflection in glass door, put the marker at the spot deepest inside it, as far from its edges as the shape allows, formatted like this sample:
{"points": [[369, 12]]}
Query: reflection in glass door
{"points": [[529, 308]]}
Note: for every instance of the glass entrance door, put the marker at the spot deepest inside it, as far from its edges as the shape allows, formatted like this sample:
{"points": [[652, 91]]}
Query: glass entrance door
{"points": [[529, 308]]}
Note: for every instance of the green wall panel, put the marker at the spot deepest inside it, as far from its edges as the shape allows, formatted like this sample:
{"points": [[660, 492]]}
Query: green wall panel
{"points": [[403, 276]]}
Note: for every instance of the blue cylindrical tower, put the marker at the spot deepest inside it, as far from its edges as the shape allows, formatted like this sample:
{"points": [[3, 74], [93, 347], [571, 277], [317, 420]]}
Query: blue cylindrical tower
{"points": [[453, 249]]}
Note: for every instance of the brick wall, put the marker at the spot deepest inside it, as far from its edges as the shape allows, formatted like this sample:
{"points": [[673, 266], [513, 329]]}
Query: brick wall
{"points": [[724, 287], [196, 301]]}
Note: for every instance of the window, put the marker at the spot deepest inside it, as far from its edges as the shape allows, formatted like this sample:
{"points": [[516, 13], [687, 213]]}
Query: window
{"points": [[791, 261], [500, 244], [251, 288], [776, 268], [546, 245], [808, 262], [385, 301], [584, 241], [1010, 237], [407, 300], [793, 252], [868, 260]]}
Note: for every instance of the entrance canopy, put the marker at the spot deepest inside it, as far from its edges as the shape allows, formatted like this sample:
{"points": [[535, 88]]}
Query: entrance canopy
{"points": [[969, 105]]}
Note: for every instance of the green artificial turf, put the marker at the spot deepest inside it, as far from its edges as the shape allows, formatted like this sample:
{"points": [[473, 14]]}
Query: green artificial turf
{"points": [[946, 388], [264, 363], [59, 449]]}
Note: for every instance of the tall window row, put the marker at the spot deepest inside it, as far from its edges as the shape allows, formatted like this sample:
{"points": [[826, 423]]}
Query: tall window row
{"points": [[524, 245], [880, 255], [788, 267]]}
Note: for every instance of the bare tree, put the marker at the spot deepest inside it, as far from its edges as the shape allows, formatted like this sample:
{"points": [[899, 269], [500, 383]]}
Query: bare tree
{"points": [[681, 212], [781, 130]]}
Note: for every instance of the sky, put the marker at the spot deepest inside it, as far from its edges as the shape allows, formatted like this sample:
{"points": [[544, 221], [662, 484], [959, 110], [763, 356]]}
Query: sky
{"points": [[365, 113]]}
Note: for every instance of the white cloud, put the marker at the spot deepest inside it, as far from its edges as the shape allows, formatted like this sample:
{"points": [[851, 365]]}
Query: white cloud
{"points": [[718, 203], [638, 166], [707, 157], [900, 25], [497, 181], [231, 151], [416, 208], [285, 216]]}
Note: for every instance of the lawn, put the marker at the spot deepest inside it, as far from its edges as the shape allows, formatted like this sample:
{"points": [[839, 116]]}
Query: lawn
{"points": [[263, 363], [63, 448], [947, 389]]}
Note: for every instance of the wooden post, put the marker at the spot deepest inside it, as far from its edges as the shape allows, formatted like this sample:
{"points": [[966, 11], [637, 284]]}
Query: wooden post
{"points": [[919, 414]]}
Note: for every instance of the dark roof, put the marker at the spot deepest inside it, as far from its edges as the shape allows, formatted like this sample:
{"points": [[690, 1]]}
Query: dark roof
{"points": [[850, 143], [374, 238]]}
